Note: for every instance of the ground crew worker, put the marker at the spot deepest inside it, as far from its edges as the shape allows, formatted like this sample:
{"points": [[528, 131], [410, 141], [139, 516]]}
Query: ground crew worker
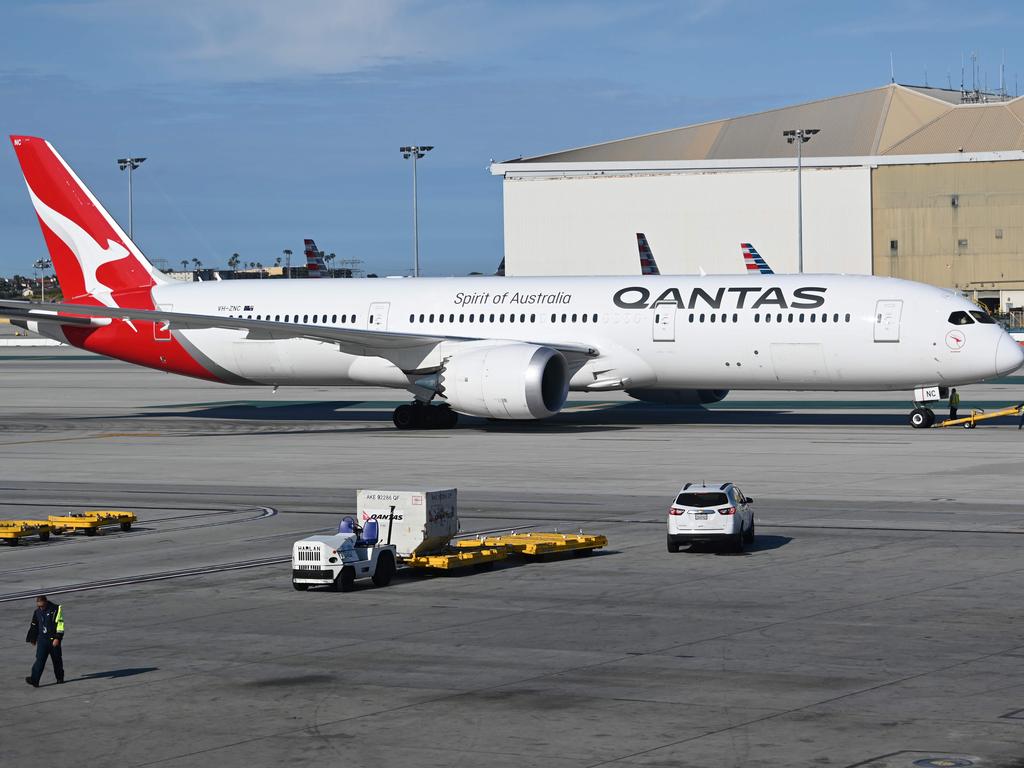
{"points": [[954, 402], [46, 633]]}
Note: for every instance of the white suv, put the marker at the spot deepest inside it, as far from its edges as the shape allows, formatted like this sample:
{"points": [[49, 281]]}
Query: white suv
{"points": [[710, 512]]}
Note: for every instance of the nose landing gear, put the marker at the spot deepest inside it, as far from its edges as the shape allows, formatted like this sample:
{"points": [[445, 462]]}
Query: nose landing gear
{"points": [[419, 415]]}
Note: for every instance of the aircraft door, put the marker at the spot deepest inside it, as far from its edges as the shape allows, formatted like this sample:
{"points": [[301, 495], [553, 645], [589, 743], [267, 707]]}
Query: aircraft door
{"points": [[664, 319], [161, 329], [377, 317], [887, 320]]}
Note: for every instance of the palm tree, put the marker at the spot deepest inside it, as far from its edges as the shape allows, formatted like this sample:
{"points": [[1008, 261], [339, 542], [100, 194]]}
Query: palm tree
{"points": [[184, 265], [233, 261], [259, 266], [198, 263]]}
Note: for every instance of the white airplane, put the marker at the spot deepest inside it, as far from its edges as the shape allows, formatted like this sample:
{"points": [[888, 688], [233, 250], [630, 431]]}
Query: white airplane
{"points": [[499, 347]]}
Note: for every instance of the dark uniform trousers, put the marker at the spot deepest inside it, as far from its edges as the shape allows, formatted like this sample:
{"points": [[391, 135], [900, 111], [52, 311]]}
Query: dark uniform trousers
{"points": [[44, 648]]}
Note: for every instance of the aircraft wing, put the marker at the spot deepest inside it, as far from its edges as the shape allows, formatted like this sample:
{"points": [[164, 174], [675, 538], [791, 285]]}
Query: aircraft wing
{"points": [[356, 341]]}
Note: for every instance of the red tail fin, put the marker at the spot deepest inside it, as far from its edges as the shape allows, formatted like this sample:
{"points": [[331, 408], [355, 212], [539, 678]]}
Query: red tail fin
{"points": [[93, 257]]}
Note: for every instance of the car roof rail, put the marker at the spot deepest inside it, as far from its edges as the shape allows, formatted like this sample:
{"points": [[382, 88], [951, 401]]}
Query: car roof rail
{"points": [[687, 486], [724, 486]]}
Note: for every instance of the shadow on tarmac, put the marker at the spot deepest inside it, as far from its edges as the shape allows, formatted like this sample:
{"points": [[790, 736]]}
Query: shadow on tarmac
{"points": [[114, 674], [600, 417]]}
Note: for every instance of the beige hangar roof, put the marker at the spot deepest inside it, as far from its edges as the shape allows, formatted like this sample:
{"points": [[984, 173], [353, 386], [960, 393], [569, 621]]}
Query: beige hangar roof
{"points": [[891, 120]]}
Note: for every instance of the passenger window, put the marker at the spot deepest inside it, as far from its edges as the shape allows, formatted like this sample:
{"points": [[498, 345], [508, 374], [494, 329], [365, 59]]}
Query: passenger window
{"points": [[522, 318], [334, 318], [501, 318], [344, 318], [533, 318], [440, 318], [593, 318], [584, 318], [801, 317], [824, 317], [691, 317], [702, 317], [462, 318], [431, 318], [735, 317], [412, 318], [563, 318], [757, 317], [778, 318], [286, 318], [847, 317], [277, 318], [451, 318], [814, 316], [712, 317], [983, 317], [353, 318], [835, 318], [767, 318]]}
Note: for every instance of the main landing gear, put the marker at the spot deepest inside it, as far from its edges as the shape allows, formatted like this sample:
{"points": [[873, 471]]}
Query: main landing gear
{"points": [[922, 418], [419, 415]]}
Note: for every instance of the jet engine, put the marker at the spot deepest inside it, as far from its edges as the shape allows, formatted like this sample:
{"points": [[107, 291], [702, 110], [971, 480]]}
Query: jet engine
{"points": [[506, 381], [679, 396]]}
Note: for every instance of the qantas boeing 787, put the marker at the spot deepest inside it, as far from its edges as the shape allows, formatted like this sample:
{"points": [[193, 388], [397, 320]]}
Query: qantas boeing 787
{"points": [[499, 347]]}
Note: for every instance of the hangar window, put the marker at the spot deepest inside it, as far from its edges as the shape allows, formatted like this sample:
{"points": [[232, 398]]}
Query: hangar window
{"points": [[999, 234], [894, 245], [962, 243], [983, 317]]}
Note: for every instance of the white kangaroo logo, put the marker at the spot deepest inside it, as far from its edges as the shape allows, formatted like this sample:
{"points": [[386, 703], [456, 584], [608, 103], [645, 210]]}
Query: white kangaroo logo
{"points": [[90, 254]]}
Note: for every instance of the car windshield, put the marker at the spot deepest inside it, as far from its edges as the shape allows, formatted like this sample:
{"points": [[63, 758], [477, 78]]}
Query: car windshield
{"points": [[983, 317], [712, 499]]}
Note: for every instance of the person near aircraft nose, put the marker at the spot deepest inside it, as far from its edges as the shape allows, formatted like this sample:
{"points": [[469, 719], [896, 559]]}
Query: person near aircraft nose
{"points": [[954, 402]]}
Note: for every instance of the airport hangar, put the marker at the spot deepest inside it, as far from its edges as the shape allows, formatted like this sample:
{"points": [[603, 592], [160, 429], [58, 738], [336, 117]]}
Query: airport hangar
{"points": [[915, 182]]}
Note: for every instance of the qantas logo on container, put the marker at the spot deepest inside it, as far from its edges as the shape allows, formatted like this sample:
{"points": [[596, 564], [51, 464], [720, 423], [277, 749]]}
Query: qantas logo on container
{"points": [[745, 297]]}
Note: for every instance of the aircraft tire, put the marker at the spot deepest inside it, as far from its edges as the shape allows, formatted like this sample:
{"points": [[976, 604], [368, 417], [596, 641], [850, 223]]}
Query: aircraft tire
{"points": [[919, 418], [405, 417]]}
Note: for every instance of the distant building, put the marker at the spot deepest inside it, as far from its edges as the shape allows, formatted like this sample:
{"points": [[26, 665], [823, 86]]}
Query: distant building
{"points": [[916, 182]]}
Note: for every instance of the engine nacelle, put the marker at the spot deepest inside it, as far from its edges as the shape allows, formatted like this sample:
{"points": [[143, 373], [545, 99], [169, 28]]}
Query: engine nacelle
{"points": [[679, 396], [506, 381]]}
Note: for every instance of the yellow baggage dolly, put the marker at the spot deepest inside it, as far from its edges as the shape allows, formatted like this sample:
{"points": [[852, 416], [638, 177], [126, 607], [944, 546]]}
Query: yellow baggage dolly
{"points": [[13, 531], [91, 521], [978, 414], [538, 544]]}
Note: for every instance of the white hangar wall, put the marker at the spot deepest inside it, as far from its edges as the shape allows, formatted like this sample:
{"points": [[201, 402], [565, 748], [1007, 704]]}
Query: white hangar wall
{"points": [[586, 223]]}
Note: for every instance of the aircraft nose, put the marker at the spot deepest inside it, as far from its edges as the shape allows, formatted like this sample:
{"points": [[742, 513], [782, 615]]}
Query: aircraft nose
{"points": [[1009, 355]]}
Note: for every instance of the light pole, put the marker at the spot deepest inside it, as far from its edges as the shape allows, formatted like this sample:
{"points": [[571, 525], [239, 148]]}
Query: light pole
{"points": [[416, 153], [42, 265], [800, 136], [287, 262], [130, 164]]}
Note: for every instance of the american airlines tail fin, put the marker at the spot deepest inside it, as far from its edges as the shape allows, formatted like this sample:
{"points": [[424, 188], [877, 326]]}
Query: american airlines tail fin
{"points": [[753, 260], [315, 265], [93, 257], [648, 266]]}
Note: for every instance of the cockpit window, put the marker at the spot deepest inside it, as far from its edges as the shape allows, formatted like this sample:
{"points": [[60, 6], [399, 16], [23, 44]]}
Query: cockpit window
{"points": [[983, 317], [960, 318]]}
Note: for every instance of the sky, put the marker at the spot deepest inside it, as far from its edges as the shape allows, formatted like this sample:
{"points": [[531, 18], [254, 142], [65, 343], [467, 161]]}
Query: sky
{"points": [[264, 122]]}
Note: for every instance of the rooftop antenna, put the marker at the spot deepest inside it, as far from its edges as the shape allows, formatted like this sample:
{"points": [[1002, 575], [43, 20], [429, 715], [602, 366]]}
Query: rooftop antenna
{"points": [[974, 70], [961, 71], [892, 69], [926, 77], [949, 79]]}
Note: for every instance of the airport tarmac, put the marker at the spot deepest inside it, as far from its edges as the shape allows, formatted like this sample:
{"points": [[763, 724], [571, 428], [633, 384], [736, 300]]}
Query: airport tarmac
{"points": [[876, 622]]}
